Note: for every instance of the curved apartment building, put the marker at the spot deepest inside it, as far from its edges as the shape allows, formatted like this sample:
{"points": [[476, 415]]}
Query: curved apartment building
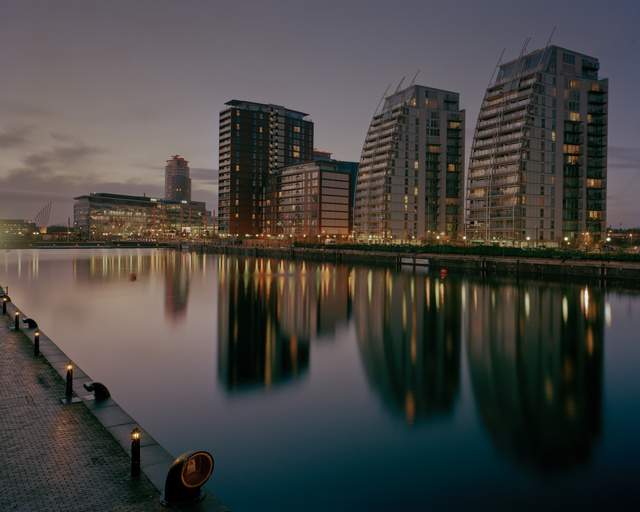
{"points": [[410, 178], [538, 165]]}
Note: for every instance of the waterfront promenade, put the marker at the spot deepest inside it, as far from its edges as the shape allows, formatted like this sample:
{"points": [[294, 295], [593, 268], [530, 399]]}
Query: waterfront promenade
{"points": [[62, 455]]}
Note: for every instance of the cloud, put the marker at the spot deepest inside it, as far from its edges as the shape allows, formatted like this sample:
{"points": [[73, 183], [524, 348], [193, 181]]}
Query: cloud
{"points": [[204, 176], [14, 108], [15, 137]]}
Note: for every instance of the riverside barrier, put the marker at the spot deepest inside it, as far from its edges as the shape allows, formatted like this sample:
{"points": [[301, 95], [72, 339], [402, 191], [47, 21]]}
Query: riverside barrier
{"points": [[610, 271]]}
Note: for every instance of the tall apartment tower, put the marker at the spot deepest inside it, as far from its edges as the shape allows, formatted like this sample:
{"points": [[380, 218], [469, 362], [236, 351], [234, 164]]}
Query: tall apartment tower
{"points": [[410, 179], [255, 140], [538, 166], [177, 184]]}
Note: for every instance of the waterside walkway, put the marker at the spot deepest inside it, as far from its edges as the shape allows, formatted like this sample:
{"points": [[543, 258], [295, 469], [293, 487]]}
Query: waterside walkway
{"points": [[63, 455]]}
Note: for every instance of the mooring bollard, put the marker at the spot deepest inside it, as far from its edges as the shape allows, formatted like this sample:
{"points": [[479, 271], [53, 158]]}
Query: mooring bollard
{"points": [[69, 391], [36, 344], [17, 320], [135, 453]]}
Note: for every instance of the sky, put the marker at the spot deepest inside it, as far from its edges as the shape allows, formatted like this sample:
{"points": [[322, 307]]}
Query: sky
{"points": [[96, 95]]}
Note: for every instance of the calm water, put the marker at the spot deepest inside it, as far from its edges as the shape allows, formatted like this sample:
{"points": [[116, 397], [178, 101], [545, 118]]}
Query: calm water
{"points": [[323, 387]]}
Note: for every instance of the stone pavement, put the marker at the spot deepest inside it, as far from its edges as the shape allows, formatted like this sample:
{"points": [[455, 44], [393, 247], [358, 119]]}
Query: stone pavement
{"points": [[61, 456]]}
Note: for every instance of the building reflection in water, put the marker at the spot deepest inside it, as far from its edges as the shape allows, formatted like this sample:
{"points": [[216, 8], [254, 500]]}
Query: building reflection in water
{"points": [[408, 328], [535, 360], [269, 311], [177, 267]]}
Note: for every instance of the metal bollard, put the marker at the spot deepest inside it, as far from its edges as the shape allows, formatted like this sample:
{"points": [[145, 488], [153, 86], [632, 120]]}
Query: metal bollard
{"points": [[36, 344], [69, 391], [135, 453], [5, 299], [17, 320]]}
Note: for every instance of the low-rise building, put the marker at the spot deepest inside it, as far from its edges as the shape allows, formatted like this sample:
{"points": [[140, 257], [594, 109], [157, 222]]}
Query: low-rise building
{"points": [[114, 216]]}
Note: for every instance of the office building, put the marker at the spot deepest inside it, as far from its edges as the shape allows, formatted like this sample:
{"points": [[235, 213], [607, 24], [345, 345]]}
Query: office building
{"points": [[313, 199], [115, 216], [410, 179], [177, 183], [255, 140], [538, 166]]}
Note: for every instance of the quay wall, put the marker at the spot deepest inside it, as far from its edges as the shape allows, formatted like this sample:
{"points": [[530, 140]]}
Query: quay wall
{"points": [[628, 272]]}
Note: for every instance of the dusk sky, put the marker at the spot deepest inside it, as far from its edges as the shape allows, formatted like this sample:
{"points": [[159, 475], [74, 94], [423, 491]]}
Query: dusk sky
{"points": [[97, 95]]}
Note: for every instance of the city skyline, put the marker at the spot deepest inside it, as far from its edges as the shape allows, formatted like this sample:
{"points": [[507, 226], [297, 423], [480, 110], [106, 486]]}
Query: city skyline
{"points": [[100, 95]]}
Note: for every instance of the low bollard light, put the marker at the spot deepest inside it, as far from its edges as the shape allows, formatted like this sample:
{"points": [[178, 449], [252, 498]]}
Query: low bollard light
{"points": [[135, 453], [36, 344], [69, 391], [5, 299], [17, 320]]}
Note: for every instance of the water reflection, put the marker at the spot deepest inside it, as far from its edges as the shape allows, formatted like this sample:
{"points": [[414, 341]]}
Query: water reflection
{"points": [[270, 312], [408, 328], [177, 268], [535, 359]]}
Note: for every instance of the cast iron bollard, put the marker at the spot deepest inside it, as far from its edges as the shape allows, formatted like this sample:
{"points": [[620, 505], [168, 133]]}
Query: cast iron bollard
{"points": [[17, 320], [100, 390], [135, 453], [36, 344], [69, 392]]}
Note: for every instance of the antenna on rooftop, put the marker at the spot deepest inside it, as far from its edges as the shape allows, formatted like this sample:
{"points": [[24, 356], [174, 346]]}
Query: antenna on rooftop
{"points": [[552, 32], [414, 79], [383, 97]]}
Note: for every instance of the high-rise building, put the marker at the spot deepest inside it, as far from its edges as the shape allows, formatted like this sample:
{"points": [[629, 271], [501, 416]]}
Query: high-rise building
{"points": [[410, 180], [177, 184], [255, 140], [538, 166]]}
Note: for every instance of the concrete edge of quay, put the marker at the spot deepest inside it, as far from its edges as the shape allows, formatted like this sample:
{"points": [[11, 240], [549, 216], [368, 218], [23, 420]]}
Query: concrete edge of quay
{"points": [[155, 461], [613, 272]]}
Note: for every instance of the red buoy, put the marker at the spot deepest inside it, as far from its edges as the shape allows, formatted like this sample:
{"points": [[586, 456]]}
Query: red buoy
{"points": [[132, 277]]}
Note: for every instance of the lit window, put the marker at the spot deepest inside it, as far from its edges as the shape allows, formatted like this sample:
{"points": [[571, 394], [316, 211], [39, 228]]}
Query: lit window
{"points": [[574, 116]]}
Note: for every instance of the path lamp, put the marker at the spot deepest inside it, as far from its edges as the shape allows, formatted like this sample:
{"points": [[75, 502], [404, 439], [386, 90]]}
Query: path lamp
{"points": [[36, 344], [69, 391], [17, 320], [5, 299], [135, 453]]}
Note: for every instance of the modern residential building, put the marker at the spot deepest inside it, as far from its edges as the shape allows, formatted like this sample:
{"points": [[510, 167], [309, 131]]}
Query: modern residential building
{"points": [[538, 166], [312, 200], [177, 183], [410, 180], [255, 140], [115, 216]]}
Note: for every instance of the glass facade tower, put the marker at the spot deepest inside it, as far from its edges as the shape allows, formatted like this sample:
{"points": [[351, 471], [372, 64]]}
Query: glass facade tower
{"points": [[538, 166], [410, 179]]}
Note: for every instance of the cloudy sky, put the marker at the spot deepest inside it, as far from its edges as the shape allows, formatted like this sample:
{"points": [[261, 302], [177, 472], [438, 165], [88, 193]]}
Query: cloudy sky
{"points": [[96, 95]]}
